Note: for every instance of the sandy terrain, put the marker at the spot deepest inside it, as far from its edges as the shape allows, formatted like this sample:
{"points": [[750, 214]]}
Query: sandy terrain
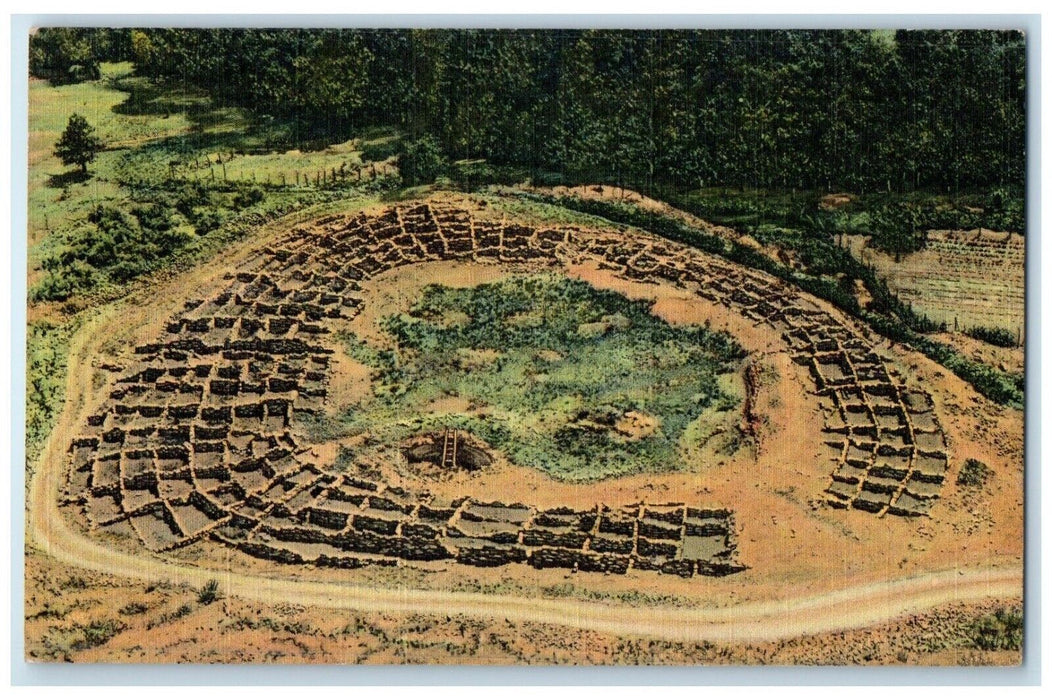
{"points": [[149, 628]]}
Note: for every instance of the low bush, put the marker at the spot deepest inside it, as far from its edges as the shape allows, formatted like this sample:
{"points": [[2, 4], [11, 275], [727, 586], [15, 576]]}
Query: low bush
{"points": [[134, 609], [973, 473], [47, 348], [209, 593], [1000, 337], [97, 632], [249, 196], [115, 246], [1001, 631], [380, 150]]}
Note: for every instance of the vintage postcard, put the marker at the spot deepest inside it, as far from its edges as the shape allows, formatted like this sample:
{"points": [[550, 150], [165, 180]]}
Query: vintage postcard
{"points": [[455, 346]]}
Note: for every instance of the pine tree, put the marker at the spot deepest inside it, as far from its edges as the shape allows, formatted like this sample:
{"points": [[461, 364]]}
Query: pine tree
{"points": [[78, 144]]}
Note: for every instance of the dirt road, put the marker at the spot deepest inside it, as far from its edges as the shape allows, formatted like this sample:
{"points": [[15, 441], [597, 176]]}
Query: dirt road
{"points": [[853, 607]]}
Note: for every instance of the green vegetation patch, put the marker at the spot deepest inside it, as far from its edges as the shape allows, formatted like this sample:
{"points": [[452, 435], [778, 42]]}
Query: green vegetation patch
{"points": [[973, 473], [1001, 631], [47, 350], [580, 383], [1001, 337], [886, 314]]}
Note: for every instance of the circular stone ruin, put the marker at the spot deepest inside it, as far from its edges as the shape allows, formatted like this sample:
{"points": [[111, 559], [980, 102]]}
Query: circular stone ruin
{"points": [[200, 438]]}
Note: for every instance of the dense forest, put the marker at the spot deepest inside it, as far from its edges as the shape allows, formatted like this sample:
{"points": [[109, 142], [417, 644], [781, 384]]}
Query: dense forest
{"points": [[863, 111]]}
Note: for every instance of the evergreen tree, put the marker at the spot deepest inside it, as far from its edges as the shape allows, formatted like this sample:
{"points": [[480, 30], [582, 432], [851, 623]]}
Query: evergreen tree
{"points": [[78, 144]]}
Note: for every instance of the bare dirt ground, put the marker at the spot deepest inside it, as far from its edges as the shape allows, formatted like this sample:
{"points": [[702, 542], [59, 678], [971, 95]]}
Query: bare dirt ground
{"points": [[1004, 359], [612, 193], [814, 572], [163, 622]]}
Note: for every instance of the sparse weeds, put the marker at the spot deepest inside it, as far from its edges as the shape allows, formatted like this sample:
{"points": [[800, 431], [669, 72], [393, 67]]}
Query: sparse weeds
{"points": [[166, 617], [61, 642], [209, 593], [135, 608]]}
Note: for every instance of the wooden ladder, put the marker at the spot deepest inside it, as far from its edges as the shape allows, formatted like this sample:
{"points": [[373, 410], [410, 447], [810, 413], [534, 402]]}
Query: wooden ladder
{"points": [[449, 449]]}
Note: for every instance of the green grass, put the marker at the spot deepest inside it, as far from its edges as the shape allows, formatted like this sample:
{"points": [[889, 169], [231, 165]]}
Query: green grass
{"points": [[276, 168], [157, 144], [553, 370], [47, 349]]}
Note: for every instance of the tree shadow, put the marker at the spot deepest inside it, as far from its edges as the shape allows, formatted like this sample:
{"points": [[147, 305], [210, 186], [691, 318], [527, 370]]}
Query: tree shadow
{"points": [[259, 132], [70, 177], [148, 99]]}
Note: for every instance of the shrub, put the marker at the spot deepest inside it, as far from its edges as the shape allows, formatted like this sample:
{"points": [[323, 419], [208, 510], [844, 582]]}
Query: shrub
{"points": [[206, 221], [134, 609], [98, 632], [1001, 631], [114, 245], [190, 196], [75, 582], [209, 593], [377, 151], [154, 217], [974, 473], [249, 196], [1000, 337], [421, 161]]}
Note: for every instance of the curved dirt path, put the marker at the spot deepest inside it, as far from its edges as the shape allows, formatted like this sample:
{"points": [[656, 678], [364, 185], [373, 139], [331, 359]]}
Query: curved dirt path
{"points": [[853, 607]]}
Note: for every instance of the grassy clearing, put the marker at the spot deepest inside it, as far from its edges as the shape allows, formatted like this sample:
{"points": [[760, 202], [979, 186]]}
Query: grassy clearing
{"points": [[579, 383], [161, 148]]}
